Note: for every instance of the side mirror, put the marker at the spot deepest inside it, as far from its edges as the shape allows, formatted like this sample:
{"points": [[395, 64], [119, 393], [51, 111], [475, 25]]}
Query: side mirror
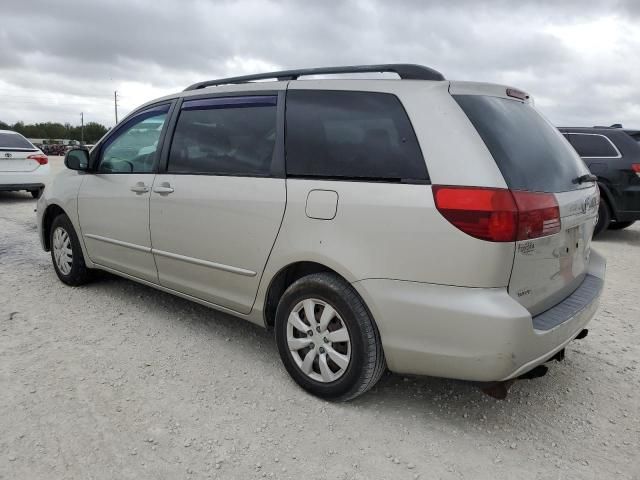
{"points": [[77, 159]]}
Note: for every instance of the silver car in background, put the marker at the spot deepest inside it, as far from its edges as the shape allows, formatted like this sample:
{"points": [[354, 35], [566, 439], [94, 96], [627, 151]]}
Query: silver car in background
{"points": [[22, 165]]}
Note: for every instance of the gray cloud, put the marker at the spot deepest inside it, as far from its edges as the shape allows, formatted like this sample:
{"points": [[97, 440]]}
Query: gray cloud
{"points": [[578, 58]]}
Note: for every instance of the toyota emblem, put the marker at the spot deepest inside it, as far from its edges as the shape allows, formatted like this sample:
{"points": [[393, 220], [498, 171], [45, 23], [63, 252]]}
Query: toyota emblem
{"points": [[7, 155]]}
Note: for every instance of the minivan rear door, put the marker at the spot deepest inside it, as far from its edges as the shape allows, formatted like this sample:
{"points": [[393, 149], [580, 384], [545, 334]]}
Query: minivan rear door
{"points": [[533, 156], [217, 204]]}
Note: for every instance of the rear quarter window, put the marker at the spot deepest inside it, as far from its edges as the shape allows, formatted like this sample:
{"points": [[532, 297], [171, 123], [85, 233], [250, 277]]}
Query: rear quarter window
{"points": [[530, 152], [351, 135], [593, 145]]}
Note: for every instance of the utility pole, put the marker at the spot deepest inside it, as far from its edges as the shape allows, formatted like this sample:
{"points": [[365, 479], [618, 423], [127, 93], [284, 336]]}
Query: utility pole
{"points": [[81, 128], [115, 104]]}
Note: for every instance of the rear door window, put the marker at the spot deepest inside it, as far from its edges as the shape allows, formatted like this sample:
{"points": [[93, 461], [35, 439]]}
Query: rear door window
{"points": [[225, 136], [593, 145], [530, 152], [351, 135]]}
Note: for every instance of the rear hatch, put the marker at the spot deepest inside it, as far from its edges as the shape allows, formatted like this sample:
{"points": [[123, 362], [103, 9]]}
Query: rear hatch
{"points": [[533, 156], [15, 151]]}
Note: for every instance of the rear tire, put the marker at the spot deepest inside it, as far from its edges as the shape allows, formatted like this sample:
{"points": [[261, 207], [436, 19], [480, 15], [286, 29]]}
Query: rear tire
{"points": [[620, 225], [308, 348], [604, 218], [66, 253]]}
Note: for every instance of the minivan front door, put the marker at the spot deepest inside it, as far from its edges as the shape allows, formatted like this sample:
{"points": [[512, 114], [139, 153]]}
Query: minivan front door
{"points": [[216, 210], [113, 201]]}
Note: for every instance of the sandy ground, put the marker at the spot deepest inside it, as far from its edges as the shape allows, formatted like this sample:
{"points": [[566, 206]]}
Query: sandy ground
{"points": [[117, 380]]}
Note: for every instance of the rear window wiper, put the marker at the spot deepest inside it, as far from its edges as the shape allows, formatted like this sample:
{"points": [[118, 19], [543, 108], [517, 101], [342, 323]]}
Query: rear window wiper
{"points": [[587, 177]]}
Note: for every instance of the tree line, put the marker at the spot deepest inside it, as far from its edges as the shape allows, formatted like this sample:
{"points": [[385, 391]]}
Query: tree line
{"points": [[93, 131]]}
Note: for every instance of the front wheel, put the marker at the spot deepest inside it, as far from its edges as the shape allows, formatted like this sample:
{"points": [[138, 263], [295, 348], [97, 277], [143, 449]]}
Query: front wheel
{"points": [[66, 252], [326, 338]]}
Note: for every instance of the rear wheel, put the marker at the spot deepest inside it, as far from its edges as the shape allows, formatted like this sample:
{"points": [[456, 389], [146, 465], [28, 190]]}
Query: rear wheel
{"points": [[326, 338], [66, 252], [620, 225], [604, 218]]}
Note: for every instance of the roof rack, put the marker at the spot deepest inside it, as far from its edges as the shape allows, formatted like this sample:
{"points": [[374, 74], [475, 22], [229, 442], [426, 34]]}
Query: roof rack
{"points": [[615, 125], [405, 71]]}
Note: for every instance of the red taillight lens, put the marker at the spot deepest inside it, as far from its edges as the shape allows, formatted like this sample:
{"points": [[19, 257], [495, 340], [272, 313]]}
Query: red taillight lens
{"points": [[636, 168], [538, 214], [486, 213], [41, 158], [497, 214]]}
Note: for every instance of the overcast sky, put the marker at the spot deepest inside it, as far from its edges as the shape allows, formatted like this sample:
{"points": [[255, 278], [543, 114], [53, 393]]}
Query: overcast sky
{"points": [[579, 59]]}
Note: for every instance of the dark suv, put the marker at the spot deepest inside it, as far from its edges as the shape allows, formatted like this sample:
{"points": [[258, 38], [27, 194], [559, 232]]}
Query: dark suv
{"points": [[613, 155]]}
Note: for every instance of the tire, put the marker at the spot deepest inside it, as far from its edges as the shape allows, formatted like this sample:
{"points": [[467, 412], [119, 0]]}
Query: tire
{"points": [[73, 272], [604, 218], [36, 193], [336, 381], [620, 225]]}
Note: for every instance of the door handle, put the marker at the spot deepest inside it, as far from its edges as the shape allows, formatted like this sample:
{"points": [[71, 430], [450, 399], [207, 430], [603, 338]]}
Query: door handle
{"points": [[163, 188], [139, 188]]}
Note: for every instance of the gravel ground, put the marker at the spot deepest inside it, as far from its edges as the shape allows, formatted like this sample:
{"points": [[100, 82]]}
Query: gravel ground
{"points": [[118, 380]]}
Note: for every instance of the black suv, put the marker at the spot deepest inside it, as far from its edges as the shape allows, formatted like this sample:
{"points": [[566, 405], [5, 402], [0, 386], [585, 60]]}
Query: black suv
{"points": [[613, 155]]}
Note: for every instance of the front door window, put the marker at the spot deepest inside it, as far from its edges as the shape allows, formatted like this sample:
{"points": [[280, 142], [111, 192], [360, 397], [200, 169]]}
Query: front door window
{"points": [[134, 149]]}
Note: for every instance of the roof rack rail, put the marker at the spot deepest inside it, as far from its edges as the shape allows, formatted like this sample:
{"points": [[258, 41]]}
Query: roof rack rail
{"points": [[405, 71], [615, 125]]}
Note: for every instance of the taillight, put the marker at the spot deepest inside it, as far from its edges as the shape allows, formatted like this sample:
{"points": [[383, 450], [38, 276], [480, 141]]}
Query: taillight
{"points": [[636, 168], [497, 214], [41, 158], [538, 214]]}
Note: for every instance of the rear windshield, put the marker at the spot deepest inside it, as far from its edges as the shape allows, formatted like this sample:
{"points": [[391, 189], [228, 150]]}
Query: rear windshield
{"points": [[635, 136], [12, 140], [530, 152]]}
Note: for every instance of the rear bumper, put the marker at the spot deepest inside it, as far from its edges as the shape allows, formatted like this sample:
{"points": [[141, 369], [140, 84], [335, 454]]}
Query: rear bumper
{"points": [[13, 181], [13, 187], [479, 334]]}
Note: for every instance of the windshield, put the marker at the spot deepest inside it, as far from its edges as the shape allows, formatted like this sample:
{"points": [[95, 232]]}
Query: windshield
{"points": [[530, 152]]}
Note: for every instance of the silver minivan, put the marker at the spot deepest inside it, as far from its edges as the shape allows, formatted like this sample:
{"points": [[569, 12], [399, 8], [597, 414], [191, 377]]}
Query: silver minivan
{"points": [[422, 225]]}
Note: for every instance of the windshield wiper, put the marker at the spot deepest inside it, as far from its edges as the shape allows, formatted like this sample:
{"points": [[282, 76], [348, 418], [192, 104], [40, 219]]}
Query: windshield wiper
{"points": [[587, 177]]}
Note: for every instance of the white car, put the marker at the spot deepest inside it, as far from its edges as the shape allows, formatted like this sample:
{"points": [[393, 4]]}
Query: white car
{"points": [[22, 165], [429, 226]]}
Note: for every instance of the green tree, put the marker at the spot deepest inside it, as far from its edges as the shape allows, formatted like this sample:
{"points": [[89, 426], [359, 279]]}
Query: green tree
{"points": [[93, 131]]}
